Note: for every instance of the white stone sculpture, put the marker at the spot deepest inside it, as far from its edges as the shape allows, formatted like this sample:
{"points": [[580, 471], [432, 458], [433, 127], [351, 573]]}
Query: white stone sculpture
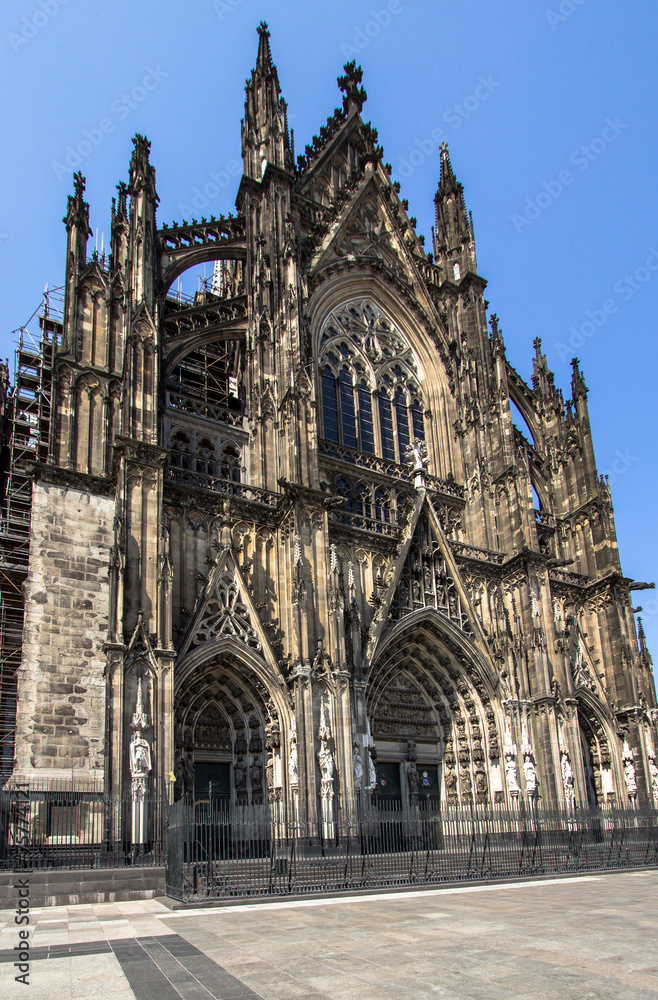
{"points": [[509, 752], [629, 770]]}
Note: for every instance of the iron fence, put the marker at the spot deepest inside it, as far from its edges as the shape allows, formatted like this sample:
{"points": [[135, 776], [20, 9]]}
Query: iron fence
{"points": [[220, 852], [81, 827], [216, 851]]}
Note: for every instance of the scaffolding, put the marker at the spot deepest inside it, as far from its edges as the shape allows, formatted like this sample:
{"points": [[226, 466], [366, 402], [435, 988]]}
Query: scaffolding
{"points": [[26, 436]]}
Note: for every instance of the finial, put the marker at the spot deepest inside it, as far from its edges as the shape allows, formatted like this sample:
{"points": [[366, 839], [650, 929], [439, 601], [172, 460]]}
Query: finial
{"points": [[79, 184], [350, 84], [140, 157], [578, 387]]}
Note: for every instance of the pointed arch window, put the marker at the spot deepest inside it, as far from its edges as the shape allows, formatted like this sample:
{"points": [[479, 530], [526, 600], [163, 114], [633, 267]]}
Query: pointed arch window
{"points": [[231, 465], [366, 428], [181, 450], [347, 410], [330, 406], [364, 354], [386, 427], [204, 460], [402, 418], [417, 419]]}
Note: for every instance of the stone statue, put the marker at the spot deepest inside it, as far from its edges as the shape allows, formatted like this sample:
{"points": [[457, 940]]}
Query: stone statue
{"points": [[416, 455], [326, 762], [357, 762], [293, 774], [529, 768], [140, 757], [509, 751], [567, 774], [629, 770], [653, 773], [292, 765], [530, 773], [240, 774]]}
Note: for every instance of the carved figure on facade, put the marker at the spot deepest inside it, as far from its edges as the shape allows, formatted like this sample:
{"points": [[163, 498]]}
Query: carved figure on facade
{"points": [[509, 752], [293, 775], [653, 773], [629, 770], [529, 767]]}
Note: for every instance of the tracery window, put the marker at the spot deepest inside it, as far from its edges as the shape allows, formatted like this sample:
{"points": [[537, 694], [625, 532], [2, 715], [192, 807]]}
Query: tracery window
{"points": [[370, 381], [367, 505], [202, 459]]}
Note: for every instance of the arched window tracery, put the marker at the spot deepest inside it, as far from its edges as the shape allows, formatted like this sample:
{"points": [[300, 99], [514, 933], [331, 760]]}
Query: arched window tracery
{"points": [[371, 398], [203, 459]]}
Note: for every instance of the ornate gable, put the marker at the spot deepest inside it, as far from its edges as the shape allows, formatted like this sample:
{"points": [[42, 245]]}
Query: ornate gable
{"points": [[225, 610]]}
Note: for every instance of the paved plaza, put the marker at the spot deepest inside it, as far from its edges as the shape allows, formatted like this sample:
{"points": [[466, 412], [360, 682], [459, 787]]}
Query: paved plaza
{"points": [[586, 937]]}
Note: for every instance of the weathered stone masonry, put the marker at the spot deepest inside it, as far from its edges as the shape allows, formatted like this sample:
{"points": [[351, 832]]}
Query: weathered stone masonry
{"points": [[61, 712]]}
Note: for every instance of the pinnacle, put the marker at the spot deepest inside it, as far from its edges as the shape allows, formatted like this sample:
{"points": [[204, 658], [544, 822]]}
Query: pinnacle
{"points": [[264, 60]]}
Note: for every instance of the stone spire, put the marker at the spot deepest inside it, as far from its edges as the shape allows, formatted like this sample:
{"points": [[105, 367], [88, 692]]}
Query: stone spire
{"points": [[454, 247], [578, 387], [543, 379], [77, 222], [143, 203], [265, 137], [77, 234]]}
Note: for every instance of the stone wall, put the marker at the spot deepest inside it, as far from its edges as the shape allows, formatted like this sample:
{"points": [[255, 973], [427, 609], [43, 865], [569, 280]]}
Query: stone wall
{"points": [[60, 724]]}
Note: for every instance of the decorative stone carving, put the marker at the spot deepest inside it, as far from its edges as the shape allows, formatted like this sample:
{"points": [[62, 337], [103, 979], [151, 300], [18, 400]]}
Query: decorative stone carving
{"points": [[326, 762], [653, 773], [529, 768], [357, 763], [140, 768], [509, 752], [629, 770], [293, 775], [226, 614], [416, 455], [566, 769]]}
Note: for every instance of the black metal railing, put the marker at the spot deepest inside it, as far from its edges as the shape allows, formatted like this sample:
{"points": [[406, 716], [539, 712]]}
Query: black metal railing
{"points": [[75, 827], [220, 852], [214, 850]]}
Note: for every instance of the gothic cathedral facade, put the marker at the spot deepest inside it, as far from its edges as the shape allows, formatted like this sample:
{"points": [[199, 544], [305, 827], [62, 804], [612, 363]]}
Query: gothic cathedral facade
{"points": [[288, 544]]}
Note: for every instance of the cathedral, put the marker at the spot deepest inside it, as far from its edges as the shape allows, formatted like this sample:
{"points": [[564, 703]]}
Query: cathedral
{"points": [[307, 539]]}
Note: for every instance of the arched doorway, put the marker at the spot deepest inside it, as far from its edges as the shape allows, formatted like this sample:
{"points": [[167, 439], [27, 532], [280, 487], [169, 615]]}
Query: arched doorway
{"points": [[432, 717], [595, 756], [229, 728]]}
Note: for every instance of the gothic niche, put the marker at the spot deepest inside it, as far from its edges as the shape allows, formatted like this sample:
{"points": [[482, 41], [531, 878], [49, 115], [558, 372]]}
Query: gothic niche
{"points": [[425, 581]]}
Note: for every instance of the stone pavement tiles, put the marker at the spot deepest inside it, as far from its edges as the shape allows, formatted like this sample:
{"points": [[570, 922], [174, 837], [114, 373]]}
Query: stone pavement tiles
{"points": [[559, 939]]}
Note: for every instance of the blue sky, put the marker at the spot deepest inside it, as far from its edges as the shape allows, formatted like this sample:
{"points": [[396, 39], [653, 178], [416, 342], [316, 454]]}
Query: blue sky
{"points": [[549, 107]]}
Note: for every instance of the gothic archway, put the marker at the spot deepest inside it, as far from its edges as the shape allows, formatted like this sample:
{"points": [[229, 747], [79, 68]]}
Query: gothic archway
{"points": [[596, 756], [430, 708], [231, 721]]}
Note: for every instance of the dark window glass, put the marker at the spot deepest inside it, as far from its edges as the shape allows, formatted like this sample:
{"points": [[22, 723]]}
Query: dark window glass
{"points": [[365, 420], [343, 490], [362, 500], [417, 420], [347, 410], [403, 422], [386, 428], [329, 406], [381, 505]]}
